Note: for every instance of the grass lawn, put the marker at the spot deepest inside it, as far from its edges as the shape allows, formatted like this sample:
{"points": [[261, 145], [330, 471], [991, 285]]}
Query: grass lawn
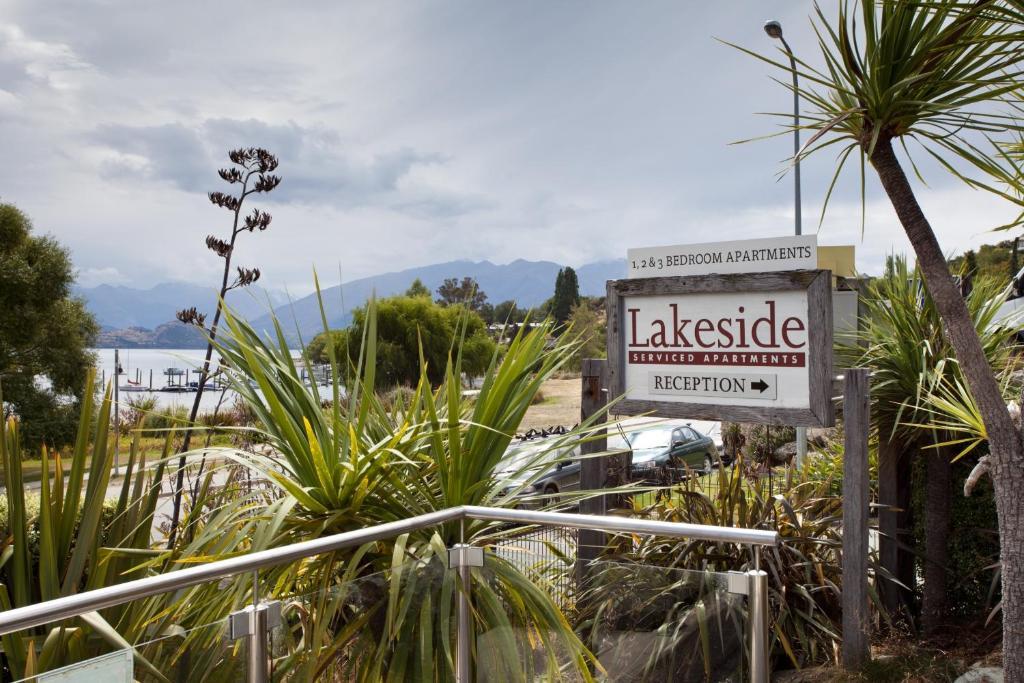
{"points": [[151, 447]]}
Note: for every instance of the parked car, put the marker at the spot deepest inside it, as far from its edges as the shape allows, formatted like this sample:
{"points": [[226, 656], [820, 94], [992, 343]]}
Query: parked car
{"points": [[538, 467], [670, 446]]}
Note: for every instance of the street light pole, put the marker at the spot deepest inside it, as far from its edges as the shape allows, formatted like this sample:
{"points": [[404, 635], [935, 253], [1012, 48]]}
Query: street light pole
{"points": [[774, 30], [117, 409]]}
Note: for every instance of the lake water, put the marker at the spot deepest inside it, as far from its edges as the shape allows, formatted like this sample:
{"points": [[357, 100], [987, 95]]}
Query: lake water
{"points": [[140, 363]]}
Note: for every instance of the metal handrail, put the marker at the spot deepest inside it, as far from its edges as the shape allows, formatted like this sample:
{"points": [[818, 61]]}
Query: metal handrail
{"points": [[628, 525], [49, 611]]}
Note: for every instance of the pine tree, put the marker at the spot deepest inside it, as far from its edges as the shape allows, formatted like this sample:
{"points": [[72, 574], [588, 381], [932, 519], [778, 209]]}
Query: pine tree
{"points": [[567, 294]]}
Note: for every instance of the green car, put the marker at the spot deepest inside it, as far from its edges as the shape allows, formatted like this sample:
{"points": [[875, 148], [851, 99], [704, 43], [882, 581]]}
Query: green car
{"points": [[672, 446]]}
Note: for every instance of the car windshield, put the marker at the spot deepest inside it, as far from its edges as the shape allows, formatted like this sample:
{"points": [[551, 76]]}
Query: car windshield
{"points": [[651, 438], [529, 455]]}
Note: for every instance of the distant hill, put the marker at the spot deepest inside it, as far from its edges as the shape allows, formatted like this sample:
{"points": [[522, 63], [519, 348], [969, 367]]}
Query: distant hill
{"points": [[144, 318], [528, 283], [171, 335], [124, 307]]}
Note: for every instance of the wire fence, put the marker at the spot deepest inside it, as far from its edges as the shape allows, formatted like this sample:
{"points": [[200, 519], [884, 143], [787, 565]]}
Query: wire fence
{"points": [[548, 555], [766, 483]]}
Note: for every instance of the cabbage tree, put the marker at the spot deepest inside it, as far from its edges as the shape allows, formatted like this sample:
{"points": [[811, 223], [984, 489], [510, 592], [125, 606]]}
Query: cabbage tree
{"points": [[935, 76]]}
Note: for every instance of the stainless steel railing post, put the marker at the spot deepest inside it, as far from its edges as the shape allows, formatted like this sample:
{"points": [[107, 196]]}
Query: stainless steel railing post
{"points": [[757, 597], [259, 650], [463, 654], [461, 559], [254, 623]]}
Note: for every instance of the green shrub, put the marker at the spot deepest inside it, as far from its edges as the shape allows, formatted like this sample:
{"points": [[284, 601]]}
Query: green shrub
{"points": [[166, 418], [973, 540], [805, 570], [32, 515], [763, 440]]}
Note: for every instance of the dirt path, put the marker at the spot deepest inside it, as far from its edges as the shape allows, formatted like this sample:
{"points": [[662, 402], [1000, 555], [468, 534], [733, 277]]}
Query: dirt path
{"points": [[561, 405]]}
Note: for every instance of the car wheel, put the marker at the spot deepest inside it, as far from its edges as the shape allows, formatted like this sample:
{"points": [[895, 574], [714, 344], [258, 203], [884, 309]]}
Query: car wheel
{"points": [[708, 463], [550, 491]]}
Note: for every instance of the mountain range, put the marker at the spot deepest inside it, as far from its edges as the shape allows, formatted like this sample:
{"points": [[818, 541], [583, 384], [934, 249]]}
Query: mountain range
{"points": [[119, 307], [126, 314]]}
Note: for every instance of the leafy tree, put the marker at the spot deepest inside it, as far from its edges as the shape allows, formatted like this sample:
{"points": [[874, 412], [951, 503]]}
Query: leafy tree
{"points": [[1014, 266], [994, 261], [405, 324], [44, 332], [567, 294], [252, 170], [507, 311], [318, 349], [968, 271], [934, 73], [591, 329], [466, 292], [417, 288]]}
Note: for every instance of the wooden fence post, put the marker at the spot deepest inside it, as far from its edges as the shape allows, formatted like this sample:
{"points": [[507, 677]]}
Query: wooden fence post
{"points": [[856, 493], [593, 470]]}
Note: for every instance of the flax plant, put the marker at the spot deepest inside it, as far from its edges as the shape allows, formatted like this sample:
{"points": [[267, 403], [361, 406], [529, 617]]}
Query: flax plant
{"points": [[686, 604], [902, 341], [344, 460], [82, 544]]}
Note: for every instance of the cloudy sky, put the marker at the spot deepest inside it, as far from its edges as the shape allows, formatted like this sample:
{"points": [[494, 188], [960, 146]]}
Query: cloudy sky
{"points": [[415, 132]]}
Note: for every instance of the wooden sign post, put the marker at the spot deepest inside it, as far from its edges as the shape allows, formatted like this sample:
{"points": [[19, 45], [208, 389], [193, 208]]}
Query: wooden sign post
{"points": [[856, 494], [593, 470]]}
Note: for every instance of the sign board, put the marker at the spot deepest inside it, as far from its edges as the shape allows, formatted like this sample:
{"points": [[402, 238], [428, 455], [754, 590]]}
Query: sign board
{"points": [[798, 252], [115, 667], [753, 347]]}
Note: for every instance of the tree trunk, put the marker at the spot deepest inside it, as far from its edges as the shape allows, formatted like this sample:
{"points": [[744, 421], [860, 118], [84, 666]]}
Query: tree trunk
{"points": [[936, 538], [1003, 436], [896, 544]]}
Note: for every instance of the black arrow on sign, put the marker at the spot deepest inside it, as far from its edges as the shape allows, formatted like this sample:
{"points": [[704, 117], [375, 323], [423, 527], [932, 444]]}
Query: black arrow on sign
{"points": [[760, 385]]}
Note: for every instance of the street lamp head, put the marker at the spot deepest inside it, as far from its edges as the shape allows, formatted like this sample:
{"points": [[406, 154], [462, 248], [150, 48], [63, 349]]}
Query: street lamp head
{"points": [[773, 29]]}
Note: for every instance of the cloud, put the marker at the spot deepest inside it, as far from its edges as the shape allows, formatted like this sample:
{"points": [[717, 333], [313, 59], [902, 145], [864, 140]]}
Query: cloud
{"points": [[316, 166], [90, 277], [171, 153], [412, 134], [26, 60]]}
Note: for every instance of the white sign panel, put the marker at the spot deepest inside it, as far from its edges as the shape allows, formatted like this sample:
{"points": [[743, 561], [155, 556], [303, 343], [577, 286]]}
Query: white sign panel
{"points": [[676, 348], [799, 252], [753, 347]]}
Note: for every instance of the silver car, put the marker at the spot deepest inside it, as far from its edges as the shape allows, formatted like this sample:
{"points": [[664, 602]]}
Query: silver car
{"points": [[539, 469]]}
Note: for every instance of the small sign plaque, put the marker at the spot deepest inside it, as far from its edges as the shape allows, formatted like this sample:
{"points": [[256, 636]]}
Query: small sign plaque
{"points": [[724, 385], [798, 252]]}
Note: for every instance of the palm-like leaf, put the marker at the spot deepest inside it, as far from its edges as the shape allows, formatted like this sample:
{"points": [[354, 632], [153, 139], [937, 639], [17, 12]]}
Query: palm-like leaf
{"points": [[902, 340], [933, 72]]}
